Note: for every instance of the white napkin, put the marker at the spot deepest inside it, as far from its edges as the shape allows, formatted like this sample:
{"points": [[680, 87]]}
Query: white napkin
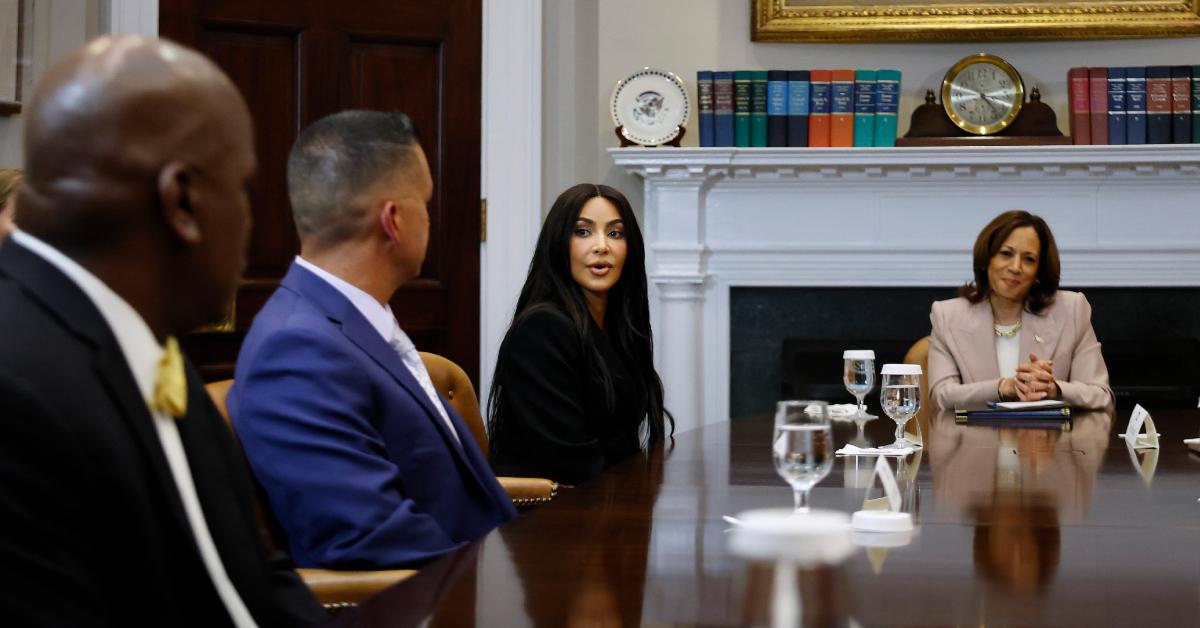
{"points": [[851, 450], [837, 410]]}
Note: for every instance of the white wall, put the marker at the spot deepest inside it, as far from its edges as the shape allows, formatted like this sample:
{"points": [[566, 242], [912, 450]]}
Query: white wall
{"points": [[59, 26], [591, 44]]}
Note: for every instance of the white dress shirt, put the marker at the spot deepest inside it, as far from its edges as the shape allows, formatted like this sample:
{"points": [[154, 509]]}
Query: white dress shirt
{"points": [[143, 354], [380, 316], [1008, 351]]}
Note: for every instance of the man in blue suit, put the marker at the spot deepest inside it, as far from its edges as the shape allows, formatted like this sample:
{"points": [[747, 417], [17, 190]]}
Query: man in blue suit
{"points": [[365, 466]]}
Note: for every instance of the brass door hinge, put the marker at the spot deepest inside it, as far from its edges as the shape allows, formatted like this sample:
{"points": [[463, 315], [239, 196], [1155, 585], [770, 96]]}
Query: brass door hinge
{"points": [[483, 220]]}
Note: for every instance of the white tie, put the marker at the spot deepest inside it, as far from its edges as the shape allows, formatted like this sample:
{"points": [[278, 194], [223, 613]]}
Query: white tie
{"points": [[401, 343]]}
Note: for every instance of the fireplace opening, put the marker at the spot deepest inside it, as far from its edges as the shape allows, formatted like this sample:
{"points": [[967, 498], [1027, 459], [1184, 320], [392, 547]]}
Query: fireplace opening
{"points": [[788, 342]]}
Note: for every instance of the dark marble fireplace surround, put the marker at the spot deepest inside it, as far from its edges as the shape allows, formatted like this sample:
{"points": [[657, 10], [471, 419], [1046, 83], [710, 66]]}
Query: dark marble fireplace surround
{"points": [[787, 342]]}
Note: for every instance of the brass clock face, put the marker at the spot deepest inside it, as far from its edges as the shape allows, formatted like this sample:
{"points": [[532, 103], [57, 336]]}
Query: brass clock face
{"points": [[982, 94]]}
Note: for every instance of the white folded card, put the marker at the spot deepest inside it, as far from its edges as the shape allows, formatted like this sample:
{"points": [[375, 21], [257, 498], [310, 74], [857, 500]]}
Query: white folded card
{"points": [[1133, 432], [836, 410], [851, 450]]}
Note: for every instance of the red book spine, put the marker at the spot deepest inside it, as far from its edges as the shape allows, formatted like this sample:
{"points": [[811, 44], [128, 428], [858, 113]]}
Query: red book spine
{"points": [[1098, 98], [1181, 94], [1158, 95], [1081, 126]]}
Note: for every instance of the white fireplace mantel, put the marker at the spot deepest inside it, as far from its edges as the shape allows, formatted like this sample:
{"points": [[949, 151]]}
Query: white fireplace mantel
{"points": [[717, 218]]}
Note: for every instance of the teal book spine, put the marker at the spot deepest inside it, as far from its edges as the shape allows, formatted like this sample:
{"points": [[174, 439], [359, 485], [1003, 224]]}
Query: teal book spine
{"points": [[758, 108], [741, 108], [864, 107], [1196, 104], [887, 106]]}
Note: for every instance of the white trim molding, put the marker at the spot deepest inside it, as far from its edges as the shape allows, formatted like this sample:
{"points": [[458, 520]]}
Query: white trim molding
{"points": [[512, 165], [133, 17], [719, 218]]}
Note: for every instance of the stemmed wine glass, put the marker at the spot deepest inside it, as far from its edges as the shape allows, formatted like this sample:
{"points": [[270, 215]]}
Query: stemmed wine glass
{"points": [[900, 397], [859, 377], [802, 447]]}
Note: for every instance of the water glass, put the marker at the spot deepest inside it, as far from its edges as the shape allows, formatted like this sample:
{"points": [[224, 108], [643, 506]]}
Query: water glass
{"points": [[859, 376], [802, 446], [900, 396]]}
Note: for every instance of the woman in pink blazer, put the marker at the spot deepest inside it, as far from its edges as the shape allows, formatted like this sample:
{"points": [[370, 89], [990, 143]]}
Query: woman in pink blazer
{"points": [[1012, 334]]}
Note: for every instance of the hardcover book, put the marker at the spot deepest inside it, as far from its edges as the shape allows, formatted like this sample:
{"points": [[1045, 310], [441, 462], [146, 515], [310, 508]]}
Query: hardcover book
{"points": [[841, 108], [798, 101], [723, 109], [1081, 125], [887, 97], [705, 106], [741, 108], [1196, 104], [1098, 99], [758, 108], [1135, 105], [864, 107], [1181, 104], [777, 108], [1116, 106], [1158, 104], [818, 111]]}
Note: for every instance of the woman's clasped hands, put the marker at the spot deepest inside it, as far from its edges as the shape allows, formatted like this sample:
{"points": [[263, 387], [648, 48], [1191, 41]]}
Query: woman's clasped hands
{"points": [[1034, 381]]}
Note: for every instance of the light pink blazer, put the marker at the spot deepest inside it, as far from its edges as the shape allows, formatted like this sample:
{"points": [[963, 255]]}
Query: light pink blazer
{"points": [[963, 369]]}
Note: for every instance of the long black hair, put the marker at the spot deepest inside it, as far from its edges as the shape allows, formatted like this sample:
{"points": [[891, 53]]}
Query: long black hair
{"points": [[626, 319]]}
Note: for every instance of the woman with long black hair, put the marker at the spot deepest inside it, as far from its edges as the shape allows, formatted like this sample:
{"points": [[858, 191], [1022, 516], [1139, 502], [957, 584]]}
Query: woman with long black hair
{"points": [[575, 388]]}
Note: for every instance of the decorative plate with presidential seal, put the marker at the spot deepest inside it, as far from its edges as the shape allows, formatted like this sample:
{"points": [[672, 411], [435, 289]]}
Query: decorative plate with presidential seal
{"points": [[649, 107]]}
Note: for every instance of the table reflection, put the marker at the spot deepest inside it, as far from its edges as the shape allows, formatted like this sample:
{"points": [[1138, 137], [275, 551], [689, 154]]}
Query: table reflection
{"points": [[589, 582], [1017, 487], [1023, 527]]}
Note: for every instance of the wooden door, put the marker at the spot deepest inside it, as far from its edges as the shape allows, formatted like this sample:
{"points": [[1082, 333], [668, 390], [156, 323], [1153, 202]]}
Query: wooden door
{"points": [[299, 60]]}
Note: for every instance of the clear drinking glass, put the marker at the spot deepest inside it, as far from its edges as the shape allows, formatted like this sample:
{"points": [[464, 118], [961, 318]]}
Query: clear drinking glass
{"points": [[802, 447], [859, 376], [900, 396]]}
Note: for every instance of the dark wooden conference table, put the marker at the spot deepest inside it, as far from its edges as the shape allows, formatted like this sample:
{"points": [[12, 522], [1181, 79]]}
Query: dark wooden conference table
{"points": [[1028, 527]]}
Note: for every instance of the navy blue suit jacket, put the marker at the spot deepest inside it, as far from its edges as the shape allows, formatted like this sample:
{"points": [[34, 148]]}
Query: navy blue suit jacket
{"points": [[360, 469]]}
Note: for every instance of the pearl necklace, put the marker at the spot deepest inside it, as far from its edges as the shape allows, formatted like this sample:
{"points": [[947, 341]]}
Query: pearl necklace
{"points": [[1007, 334]]}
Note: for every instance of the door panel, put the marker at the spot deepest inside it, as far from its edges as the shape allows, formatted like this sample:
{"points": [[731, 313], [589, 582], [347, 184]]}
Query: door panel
{"points": [[298, 61]]}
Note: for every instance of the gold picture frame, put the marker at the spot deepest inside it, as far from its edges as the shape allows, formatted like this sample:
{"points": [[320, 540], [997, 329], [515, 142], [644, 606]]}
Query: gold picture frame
{"points": [[967, 20], [14, 50]]}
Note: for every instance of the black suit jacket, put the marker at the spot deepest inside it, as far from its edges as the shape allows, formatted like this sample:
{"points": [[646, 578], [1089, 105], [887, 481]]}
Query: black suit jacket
{"points": [[556, 420], [92, 528]]}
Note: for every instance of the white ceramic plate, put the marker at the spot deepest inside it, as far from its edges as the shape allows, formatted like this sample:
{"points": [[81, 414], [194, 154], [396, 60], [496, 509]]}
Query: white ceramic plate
{"points": [[651, 105]]}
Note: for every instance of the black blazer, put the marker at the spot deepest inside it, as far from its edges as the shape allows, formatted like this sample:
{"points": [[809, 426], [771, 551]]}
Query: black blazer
{"points": [[92, 529], [555, 416]]}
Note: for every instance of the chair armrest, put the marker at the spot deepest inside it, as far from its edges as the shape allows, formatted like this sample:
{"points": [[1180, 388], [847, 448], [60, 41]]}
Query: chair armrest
{"points": [[529, 491], [339, 589]]}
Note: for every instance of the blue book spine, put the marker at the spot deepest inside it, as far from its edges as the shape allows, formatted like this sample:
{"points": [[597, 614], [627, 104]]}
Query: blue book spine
{"points": [[864, 107], [1135, 105], [1116, 106], [777, 108], [723, 109], [887, 107], [705, 106], [798, 97]]}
